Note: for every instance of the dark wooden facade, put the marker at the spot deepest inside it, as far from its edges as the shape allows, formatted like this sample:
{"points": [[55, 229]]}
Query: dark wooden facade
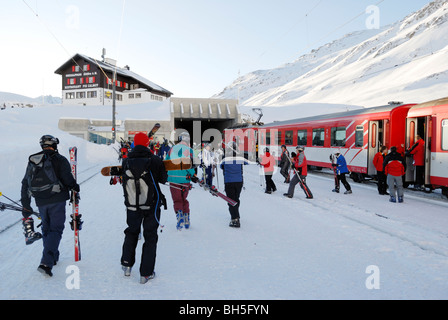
{"points": [[82, 72]]}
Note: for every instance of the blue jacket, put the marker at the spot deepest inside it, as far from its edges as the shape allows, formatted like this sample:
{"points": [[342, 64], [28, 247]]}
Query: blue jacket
{"points": [[176, 152], [233, 169], [342, 165]]}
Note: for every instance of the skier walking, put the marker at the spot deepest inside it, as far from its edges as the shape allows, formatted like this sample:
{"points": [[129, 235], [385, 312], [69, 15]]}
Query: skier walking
{"points": [[48, 179], [207, 163], [378, 161], [395, 167], [284, 164], [268, 163], [233, 181], [300, 165], [341, 171], [142, 173], [180, 180]]}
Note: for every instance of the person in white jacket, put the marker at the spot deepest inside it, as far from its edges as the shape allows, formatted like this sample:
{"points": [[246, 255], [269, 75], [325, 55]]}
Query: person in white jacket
{"points": [[207, 163]]}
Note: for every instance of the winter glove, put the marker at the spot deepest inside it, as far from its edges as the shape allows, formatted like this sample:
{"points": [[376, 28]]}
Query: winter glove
{"points": [[74, 196]]}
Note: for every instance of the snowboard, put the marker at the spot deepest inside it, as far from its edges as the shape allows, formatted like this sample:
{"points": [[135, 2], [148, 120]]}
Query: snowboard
{"points": [[170, 165]]}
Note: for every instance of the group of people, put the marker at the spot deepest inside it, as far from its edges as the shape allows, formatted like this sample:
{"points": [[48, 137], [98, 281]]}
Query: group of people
{"points": [[142, 174], [391, 169], [298, 163]]}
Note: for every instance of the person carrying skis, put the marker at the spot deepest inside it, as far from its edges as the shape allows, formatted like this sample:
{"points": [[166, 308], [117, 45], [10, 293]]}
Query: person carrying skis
{"points": [[284, 164], [48, 179], [378, 163], [268, 163], [394, 167], [341, 171], [142, 173], [300, 164], [180, 180], [233, 181]]}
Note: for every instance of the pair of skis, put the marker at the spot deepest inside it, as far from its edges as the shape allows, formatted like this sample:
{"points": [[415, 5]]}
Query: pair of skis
{"points": [[215, 192], [76, 217]]}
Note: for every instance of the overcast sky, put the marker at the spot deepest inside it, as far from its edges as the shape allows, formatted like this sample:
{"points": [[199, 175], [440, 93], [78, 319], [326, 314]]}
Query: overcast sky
{"points": [[194, 48]]}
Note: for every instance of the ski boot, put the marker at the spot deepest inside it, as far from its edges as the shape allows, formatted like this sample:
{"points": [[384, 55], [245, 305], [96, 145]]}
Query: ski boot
{"points": [[235, 223], [180, 220], [287, 195], [28, 231], [348, 192], [186, 220], [393, 199], [45, 270], [400, 199], [144, 279], [335, 190], [126, 270]]}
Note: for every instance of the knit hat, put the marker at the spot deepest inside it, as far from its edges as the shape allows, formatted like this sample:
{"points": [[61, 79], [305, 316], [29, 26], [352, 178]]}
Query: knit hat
{"points": [[141, 139]]}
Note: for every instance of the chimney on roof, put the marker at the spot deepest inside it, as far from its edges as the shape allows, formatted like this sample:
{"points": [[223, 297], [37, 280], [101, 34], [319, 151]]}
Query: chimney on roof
{"points": [[127, 67], [104, 54]]}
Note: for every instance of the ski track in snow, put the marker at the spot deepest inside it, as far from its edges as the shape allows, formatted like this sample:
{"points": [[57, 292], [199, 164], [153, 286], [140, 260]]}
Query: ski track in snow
{"points": [[285, 249]]}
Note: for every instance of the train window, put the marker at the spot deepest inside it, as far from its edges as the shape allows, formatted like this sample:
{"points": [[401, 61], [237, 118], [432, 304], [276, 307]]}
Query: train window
{"points": [[288, 138], [302, 138], [411, 133], [338, 135], [445, 135], [359, 137], [268, 138], [318, 137], [279, 138]]}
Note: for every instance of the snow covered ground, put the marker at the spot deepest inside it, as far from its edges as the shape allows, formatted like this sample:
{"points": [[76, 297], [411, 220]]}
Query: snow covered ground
{"points": [[332, 247]]}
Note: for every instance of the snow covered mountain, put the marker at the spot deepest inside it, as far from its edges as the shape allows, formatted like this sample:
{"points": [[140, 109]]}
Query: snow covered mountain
{"points": [[8, 100], [405, 61]]}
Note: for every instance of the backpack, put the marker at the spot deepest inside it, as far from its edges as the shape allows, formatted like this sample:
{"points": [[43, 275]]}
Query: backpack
{"points": [[43, 182], [138, 186]]}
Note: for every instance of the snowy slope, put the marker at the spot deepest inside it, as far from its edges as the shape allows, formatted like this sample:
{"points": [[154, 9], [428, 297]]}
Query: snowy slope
{"points": [[286, 248], [405, 61]]}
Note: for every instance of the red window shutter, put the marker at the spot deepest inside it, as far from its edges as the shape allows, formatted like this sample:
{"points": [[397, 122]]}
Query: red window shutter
{"points": [[93, 80], [68, 81], [73, 68]]}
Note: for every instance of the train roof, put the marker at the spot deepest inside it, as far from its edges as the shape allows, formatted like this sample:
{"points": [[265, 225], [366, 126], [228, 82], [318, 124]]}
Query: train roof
{"points": [[380, 109], [438, 102]]}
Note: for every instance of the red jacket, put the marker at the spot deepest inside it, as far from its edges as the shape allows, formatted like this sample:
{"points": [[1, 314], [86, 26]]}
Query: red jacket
{"points": [[418, 150], [268, 162], [395, 168], [301, 164], [378, 161]]}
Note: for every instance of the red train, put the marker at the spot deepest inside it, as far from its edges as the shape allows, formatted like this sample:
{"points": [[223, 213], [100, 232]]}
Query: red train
{"points": [[359, 135]]}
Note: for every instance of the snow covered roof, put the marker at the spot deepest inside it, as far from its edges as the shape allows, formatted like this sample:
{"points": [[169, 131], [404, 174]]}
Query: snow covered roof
{"points": [[111, 68]]}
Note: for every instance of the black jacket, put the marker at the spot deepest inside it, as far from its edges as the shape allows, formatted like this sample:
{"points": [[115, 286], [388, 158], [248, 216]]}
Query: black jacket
{"points": [[139, 160], [62, 170]]}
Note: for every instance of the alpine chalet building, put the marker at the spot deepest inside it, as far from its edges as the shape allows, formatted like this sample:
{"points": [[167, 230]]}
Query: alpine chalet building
{"points": [[88, 81]]}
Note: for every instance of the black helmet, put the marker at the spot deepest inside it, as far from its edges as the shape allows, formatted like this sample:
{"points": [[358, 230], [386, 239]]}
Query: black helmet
{"points": [[49, 141]]}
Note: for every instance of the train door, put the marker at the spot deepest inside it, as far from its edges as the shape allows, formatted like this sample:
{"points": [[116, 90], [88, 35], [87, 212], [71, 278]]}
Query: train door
{"points": [[411, 132], [374, 145], [427, 137], [419, 126]]}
